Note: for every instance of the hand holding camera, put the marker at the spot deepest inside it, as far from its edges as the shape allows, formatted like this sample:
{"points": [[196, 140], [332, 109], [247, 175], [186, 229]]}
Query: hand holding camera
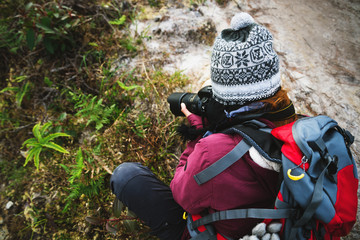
{"points": [[184, 110], [194, 103]]}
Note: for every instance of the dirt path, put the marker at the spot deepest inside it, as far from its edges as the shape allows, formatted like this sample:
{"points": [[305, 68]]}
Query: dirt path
{"points": [[319, 42]]}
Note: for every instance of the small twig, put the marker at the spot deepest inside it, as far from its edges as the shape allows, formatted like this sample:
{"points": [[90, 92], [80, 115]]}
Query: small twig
{"points": [[167, 125], [45, 113], [102, 164], [106, 19], [50, 91], [135, 149], [92, 89], [149, 80], [17, 129], [59, 68], [71, 78], [121, 219]]}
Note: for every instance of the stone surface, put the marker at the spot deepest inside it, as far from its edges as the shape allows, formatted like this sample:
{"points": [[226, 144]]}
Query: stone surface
{"points": [[9, 205]]}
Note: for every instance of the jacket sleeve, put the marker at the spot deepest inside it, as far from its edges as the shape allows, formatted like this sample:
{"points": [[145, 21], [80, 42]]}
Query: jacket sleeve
{"points": [[186, 191], [194, 120]]}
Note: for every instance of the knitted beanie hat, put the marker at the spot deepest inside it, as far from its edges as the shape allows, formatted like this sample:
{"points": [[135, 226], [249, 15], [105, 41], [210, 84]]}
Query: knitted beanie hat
{"points": [[244, 66]]}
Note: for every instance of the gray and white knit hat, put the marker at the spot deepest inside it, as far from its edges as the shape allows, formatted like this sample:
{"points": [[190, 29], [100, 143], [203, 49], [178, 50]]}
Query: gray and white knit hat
{"points": [[244, 66]]}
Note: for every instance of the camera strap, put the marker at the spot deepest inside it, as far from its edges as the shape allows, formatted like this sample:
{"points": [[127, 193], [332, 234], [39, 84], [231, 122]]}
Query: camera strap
{"points": [[281, 114]]}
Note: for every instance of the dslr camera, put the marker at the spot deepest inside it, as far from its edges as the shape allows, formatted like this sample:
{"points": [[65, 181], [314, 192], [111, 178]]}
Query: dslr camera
{"points": [[195, 102]]}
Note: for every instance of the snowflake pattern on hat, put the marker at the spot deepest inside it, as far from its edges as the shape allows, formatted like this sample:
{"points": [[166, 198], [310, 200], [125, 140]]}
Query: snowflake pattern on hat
{"points": [[246, 71]]}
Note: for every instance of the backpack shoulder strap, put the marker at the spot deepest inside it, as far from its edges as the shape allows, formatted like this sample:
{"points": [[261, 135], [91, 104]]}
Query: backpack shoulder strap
{"points": [[223, 163], [260, 137], [254, 133]]}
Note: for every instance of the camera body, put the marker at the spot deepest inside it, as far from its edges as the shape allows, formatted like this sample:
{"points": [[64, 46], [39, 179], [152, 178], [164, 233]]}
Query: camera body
{"points": [[195, 102]]}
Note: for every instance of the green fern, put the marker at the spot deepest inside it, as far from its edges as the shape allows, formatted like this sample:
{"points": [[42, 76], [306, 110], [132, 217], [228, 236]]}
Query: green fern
{"points": [[79, 182], [20, 92], [119, 21], [76, 170], [76, 190], [141, 123], [41, 141], [94, 110]]}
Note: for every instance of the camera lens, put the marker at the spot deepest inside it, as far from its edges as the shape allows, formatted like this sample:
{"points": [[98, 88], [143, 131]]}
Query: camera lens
{"points": [[191, 100], [175, 100]]}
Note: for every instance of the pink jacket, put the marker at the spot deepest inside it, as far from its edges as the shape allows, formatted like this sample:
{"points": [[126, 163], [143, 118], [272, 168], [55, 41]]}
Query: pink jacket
{"points": [[243, 185]]}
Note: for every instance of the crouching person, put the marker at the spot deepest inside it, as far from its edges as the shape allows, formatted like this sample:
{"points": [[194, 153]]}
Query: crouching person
{"points": [[245, 84]]}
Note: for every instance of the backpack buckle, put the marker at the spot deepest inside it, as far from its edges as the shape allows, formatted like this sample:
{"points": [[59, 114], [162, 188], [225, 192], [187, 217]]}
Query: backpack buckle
{"points": [[333, 162], [332, 168], [348, 137]]}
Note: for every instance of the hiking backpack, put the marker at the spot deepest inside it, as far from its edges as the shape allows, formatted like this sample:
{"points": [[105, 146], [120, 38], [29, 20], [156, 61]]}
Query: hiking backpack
{"points": [[318, 194]]}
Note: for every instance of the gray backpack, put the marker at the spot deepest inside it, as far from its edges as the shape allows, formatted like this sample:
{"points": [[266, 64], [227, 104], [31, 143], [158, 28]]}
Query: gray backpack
{"points": [[318, 194]]}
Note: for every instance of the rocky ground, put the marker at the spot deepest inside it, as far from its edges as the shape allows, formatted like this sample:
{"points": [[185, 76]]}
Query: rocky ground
{"points": [[318, 43]]}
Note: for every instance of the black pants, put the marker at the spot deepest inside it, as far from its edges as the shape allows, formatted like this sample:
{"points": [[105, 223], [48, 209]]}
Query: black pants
{"points": [[149, 198]]}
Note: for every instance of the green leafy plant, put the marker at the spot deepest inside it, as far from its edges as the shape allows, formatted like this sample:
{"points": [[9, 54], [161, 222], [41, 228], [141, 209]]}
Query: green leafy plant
{"points": [[41, 141], [75, 170], [129, 44], [76, 179], [127, 88], [119, 21], [20, 92], [108, 73], [4, 117], [141, 123], [35, 216], [93, 110], [51, 24], [79, 187], [9, 37]]}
